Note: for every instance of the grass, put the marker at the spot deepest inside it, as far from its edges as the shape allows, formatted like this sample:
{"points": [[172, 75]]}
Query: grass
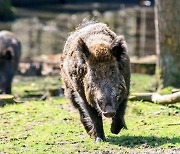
{"points": [[53, 126]]}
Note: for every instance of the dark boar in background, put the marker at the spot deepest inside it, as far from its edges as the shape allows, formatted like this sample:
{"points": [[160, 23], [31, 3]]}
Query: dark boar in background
{"points": [[95, 69], [10, 52]]}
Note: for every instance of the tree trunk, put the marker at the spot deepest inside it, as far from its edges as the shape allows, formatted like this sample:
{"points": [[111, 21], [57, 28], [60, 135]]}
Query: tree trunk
{"points": [[167, 21]]}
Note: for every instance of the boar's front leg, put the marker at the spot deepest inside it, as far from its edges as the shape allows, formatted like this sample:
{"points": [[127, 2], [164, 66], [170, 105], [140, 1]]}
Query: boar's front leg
{"points": [[8, 86], [90, 118], [118, 120], [78, 102], [97, 131]]}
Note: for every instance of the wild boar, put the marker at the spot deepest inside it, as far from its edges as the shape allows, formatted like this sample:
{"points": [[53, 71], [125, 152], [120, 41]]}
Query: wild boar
{"points": [[95, 69], [10, 52]]}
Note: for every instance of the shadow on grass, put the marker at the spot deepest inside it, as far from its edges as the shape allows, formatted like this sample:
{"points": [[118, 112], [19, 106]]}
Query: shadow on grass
{"points": [[174, 107], [133, 141]]}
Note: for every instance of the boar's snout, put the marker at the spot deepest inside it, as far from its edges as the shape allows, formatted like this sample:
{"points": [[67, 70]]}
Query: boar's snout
{"points": [[109, 112]]}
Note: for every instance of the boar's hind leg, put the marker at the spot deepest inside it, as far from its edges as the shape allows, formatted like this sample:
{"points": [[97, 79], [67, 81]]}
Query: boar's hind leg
{"points": [[98, 131], [118, 120]]}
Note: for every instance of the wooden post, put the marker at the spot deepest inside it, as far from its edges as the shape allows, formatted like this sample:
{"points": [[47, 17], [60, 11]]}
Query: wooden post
{"points": [[142, 32]]}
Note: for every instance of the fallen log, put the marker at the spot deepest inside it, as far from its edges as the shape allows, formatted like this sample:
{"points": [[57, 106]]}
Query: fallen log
{"points": [[156, 98], [175, 90], [6, 99]]}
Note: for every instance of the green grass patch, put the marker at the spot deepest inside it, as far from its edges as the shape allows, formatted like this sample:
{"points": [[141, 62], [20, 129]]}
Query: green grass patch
{"points": [[53, 126]]}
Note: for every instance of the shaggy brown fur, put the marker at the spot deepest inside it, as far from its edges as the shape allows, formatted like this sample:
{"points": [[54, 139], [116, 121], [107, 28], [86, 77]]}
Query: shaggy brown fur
{"points": [[96, 72]]}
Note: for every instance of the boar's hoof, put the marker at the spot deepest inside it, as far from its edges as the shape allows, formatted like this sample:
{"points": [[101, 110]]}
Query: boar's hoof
{"points": [[98, 139]]}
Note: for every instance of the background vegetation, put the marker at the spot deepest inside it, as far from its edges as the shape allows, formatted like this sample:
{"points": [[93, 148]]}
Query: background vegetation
{"points": [[6, 10], [53, 126]]}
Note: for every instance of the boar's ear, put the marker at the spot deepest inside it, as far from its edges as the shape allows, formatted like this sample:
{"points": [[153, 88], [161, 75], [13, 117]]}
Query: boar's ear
{"points": [[8, 54], [118, 46], [83, 47]]}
